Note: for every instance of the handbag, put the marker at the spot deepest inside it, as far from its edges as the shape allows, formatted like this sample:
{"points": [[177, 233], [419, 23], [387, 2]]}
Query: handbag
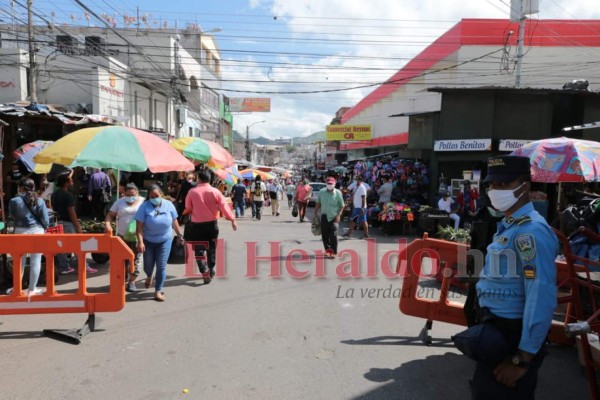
{"points": [[295, 210], [177, 254], [131, 234], [316, 226]]}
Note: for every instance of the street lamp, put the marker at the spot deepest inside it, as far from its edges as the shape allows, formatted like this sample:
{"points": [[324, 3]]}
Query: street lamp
{"points": [[248, 155]]}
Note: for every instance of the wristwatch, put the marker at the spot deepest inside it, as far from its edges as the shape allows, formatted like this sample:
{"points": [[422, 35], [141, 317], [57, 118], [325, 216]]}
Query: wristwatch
{"points": [[518, 361]]}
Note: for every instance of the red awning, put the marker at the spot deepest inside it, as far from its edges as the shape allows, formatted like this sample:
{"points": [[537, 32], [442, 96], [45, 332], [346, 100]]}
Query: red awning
{"points": [[389, 140]]}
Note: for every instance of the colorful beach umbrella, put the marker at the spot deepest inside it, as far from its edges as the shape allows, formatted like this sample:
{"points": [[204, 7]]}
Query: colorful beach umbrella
{"points": [[117, 147], [251, 173], [25, 153], [204, 151], [562, 160], [225, 176]]}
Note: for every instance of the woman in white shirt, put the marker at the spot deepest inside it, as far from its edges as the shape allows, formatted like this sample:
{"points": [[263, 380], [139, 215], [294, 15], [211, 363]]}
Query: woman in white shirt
{"points": [[445, 204], [124, 210]]}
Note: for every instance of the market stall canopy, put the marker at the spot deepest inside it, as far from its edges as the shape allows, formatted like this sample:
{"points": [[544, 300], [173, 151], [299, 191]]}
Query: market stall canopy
{"points": [[118, 147], [25, 153], [562, 160], [225, 176], [204, 151], [253, 173]]}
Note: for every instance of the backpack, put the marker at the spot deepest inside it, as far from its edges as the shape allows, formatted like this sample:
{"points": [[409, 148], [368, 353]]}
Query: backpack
{"points": [[258, 189]]}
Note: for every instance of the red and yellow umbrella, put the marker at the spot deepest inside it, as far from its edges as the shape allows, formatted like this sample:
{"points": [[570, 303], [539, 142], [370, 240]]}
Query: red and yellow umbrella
{"points": [[204, 151]]}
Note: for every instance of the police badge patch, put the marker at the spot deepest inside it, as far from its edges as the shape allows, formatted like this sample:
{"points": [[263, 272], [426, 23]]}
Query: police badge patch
{"points": [[526, 247], [502, 239], [529, 271]]}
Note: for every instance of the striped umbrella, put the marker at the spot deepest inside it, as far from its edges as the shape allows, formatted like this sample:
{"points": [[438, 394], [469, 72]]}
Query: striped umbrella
{"points": [[25, 153], [225, 176], [204, 151], [118, 147], [251, 173]]}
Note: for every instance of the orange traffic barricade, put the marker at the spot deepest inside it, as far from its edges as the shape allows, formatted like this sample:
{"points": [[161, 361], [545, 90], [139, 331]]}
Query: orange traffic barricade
{"points": [[81, 301]]}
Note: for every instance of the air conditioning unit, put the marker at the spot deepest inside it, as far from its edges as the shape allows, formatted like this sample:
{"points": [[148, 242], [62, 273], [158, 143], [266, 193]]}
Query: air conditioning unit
{"points": [[66, 44], [95, 46]]}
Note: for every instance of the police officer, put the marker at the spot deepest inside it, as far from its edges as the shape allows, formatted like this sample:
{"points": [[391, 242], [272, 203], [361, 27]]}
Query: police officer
{"points": [[517, 286]]}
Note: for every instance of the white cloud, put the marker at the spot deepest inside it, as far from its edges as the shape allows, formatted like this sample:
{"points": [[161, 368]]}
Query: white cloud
{"points": [[406, 26]]}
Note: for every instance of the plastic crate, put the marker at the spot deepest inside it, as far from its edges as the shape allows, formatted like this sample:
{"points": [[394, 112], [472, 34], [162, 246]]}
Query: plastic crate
{"points": [[55, 230]]}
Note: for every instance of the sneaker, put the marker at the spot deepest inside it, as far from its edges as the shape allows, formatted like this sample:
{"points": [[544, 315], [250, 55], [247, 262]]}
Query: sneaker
{"points": [[131, 288], [9, 291], [90, 270], [36, 291], [68, 270]]}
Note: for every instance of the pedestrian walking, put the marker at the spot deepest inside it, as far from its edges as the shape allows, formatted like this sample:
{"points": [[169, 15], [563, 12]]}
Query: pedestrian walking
{"points": [[273, 196], [203, 204], [517, 287], [63, 204], [385, 192], [238, 194], [302, 194], [124, 210], [289, 191], [30, 215], [258, 190], [359, 210], [330, 204], [156, 219], [99, 193]]}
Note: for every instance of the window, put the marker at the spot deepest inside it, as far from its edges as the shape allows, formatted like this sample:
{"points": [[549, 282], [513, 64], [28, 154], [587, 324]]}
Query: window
{"points": [[191, 131]]}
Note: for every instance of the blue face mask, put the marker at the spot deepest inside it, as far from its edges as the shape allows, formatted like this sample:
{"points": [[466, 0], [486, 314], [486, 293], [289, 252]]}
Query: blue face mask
{"points": [[131, 199], [156, 201]]}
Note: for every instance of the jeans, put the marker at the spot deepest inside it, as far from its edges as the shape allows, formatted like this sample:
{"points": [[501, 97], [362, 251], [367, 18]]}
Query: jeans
{"points": [[203, 232], [456, 220], [290, 202], [157, 254], [329, 232], [240, 206], [258, 206], [63, 262], [35, 259]]}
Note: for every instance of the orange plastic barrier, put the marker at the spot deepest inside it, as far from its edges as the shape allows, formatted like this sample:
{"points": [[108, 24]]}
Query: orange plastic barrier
{"points": [[79, 302], [443, 257]]}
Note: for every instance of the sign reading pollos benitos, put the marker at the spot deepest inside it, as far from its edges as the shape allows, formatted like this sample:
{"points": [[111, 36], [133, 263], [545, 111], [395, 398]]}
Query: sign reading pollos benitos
{"points": [[463, 145], [511, 144]]}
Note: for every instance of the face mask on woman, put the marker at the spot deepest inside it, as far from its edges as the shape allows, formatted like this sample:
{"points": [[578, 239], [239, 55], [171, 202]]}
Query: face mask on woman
{"points": [[504, 199], [130, 199], [156, 201]]}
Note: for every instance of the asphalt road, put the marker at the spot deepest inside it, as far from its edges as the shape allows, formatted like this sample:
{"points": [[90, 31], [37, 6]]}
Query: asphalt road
{"points": [[254, 338]]}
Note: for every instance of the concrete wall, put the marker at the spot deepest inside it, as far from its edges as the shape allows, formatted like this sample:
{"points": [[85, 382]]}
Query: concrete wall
{"points": [[13, 75]]}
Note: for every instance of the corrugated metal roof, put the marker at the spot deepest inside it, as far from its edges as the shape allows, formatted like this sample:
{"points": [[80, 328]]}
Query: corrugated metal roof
{"points": [[23, 109]]}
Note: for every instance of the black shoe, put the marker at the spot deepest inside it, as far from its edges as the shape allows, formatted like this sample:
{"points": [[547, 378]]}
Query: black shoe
{"points": [[277, 215], [212, 273]]}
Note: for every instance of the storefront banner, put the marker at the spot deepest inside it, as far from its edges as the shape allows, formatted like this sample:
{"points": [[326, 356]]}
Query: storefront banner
{"points": [[512, 144], [463, 145], [249, 104], [348, 132]]}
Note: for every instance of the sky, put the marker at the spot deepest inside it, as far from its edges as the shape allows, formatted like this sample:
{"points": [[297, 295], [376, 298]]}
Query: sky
{"points": [[285, 47]]}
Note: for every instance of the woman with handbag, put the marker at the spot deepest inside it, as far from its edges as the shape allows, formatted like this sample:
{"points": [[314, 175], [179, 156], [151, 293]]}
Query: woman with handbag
{"points": [[156, 219], [124, 211], [31, 217]]}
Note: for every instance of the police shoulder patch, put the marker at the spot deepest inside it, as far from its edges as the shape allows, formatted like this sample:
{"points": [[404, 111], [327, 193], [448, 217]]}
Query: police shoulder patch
{"points": [[525, 245], [529, 271]]}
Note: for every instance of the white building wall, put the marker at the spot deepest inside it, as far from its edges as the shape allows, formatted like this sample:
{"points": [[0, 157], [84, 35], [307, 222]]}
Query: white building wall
{"points": [[13, 75]]}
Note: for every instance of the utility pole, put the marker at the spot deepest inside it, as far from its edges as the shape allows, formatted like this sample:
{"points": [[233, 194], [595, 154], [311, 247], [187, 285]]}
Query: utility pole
{"points": [[248, 155], [520, 41], [32, 66]]}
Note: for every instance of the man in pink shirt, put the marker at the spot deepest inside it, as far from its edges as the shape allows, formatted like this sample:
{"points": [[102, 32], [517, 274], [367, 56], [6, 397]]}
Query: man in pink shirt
{"points": [[303, 192], [204, 203]]}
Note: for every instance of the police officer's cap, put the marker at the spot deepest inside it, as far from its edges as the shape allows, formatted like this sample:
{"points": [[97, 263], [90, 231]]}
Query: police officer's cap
{"points": [[506, 169]]}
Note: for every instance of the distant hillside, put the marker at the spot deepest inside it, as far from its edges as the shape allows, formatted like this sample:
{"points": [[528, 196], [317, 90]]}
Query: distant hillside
{"points": [[315, 137]]}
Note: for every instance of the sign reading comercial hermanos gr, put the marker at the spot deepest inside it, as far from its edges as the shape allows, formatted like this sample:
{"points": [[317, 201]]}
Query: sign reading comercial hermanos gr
{"points": [[463, 145], [348, 132]]}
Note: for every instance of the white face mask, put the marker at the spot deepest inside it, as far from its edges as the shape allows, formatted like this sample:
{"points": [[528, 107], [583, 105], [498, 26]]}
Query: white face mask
{"points": [[503, 200], [330, 187]]}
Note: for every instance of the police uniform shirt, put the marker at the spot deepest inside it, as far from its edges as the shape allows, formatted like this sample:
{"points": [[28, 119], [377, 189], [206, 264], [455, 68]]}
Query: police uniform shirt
{"points": [[518, 280]]}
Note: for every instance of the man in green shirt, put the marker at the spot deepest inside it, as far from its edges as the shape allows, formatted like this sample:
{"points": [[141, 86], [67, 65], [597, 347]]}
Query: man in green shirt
{"points": [[331, 205]]}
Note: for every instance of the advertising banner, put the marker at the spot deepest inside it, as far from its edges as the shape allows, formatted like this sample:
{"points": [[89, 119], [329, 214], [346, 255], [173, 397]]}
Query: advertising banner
{"points": [[249, 104], [348, 132]]}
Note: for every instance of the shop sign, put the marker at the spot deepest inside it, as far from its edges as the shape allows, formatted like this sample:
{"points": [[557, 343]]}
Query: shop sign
{"points": [[348, 132], [463, 145], [512, 144]]}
